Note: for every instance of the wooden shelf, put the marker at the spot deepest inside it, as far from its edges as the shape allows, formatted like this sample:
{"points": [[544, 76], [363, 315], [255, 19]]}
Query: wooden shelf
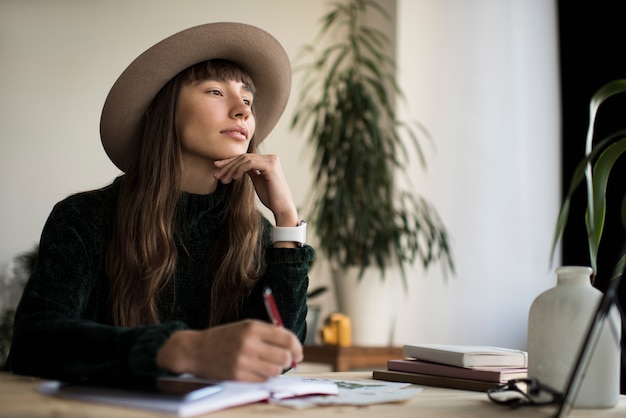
{"points": [[348, 358]]}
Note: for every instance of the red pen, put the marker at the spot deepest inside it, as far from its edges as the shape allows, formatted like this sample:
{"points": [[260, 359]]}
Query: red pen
{"points": [[272, 312]]}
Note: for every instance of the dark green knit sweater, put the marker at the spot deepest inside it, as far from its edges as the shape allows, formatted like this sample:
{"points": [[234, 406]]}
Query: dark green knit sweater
{"points": [[63, 328]]}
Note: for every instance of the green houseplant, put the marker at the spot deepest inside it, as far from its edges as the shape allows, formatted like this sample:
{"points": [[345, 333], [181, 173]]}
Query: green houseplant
{"points": [[367, 223], [360, 216], [24, 265], [595, 169]]}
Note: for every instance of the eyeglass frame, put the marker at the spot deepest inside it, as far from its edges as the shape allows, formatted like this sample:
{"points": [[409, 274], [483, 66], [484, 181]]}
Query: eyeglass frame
{"points": [[533, 389]]}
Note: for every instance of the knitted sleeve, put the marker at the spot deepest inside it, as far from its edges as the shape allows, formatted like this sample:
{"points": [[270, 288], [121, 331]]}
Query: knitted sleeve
{"points": [[287, 274], [62, 326]]}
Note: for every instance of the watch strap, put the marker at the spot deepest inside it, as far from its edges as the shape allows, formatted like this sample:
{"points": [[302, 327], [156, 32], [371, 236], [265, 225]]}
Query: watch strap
{"points": [[295, 234]]}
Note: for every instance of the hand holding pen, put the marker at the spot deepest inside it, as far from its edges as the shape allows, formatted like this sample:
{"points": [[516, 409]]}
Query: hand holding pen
{"points": [[272, 312]]}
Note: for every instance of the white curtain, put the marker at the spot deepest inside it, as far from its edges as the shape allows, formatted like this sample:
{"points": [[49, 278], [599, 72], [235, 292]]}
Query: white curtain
{"points": [[482, 76]]}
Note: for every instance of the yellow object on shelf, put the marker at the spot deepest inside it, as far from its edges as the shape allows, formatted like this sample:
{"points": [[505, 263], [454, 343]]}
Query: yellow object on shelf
{"points": [[337, 330]]}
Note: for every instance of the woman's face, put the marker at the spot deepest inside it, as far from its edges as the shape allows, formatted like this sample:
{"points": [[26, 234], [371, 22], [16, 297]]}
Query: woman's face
{"points": [[214, 120]]}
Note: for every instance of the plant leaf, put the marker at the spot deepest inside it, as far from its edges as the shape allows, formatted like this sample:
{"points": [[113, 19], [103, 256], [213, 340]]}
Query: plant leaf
{"points": [[601, 170], [599, 97], [594, 155]]}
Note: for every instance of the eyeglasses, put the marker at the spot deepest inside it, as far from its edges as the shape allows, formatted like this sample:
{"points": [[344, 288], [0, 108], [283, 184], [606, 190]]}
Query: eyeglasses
{"points": [[521, 392]]}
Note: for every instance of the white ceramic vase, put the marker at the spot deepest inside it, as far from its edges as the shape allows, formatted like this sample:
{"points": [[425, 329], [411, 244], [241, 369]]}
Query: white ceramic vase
{"points": [[557, 325], [370, 303]]}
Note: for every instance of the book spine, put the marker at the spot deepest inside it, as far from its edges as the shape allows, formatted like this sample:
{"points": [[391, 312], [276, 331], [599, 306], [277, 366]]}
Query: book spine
{"points": [[433, 370], [436, 381]]}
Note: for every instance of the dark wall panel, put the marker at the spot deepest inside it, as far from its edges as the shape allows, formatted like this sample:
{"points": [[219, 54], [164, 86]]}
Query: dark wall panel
{"points": [[593, 52]]}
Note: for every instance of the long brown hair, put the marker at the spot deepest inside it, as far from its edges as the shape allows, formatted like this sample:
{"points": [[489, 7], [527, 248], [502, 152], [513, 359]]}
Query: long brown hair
{"points": [[142, 255]]}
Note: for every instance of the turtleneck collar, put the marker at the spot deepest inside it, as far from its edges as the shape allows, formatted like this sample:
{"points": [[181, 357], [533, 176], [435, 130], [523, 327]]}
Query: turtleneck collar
{"points": [[200, 214]]}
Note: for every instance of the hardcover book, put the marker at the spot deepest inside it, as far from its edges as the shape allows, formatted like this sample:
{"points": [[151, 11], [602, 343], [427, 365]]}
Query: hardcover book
{"points": [[437, 381], [487, 374], [467, 355]]}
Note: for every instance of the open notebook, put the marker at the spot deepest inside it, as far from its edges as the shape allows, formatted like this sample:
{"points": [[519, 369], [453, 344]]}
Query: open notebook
{"points": [[579, 369], [170, 395]]}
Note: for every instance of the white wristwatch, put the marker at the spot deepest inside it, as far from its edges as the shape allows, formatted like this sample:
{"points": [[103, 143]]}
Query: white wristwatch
{"points": [[295, 234]]}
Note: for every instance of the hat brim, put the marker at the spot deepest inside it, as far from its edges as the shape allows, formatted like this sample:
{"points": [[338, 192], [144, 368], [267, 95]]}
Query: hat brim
{"points": [[253, 49]]}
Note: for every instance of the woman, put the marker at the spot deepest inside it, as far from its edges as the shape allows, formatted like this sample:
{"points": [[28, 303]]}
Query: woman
{"points": [[163, 271]]}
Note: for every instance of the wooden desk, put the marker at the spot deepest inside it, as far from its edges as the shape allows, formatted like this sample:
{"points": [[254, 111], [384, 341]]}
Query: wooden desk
{"points": [[18, 398], [343, 359]]}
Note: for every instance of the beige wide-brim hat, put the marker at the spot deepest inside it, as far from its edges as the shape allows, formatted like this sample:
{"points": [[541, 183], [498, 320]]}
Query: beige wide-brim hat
{"points": [[253, 49]]}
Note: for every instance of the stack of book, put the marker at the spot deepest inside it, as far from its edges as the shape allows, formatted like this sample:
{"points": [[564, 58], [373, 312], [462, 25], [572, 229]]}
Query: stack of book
{"points": [[476, 368]]}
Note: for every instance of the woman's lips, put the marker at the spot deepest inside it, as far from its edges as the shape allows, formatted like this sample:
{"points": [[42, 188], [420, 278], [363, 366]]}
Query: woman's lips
{"points": [[237, 132]]}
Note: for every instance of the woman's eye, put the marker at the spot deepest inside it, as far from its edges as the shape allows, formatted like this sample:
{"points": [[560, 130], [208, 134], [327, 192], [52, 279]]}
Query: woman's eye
{"points": [[214, 92], [247, 102]]}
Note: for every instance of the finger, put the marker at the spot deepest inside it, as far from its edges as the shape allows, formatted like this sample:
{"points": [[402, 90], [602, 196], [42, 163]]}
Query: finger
{"points": [[255, 369], [262, 356], [246, 163], [290, 348], [275, 358], [222, 163], [245, 352], [235, 168]]}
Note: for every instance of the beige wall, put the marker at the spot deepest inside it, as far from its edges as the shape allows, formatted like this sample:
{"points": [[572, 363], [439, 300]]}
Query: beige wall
{"points": [[58, 60]]}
